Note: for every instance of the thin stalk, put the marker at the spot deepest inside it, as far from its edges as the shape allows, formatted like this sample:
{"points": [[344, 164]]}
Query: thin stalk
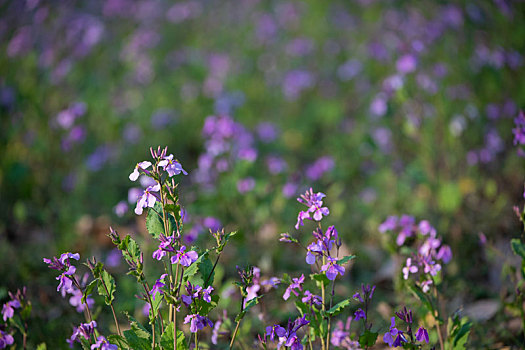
{"points": [[111, 306], [213, 269], [196, 340], [438, 326], [237, 326], [330, 316], [90, 318]]}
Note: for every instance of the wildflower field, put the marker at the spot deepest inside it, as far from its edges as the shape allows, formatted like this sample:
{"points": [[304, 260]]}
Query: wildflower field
{"points": [[250, 174]]}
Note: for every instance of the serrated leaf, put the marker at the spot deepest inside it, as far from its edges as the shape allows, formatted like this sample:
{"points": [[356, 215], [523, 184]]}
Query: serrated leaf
{"points": [[135, 342], [518, 247], [339, 307], [249, 304], [131, 253], [118, 340], [166, 340], [88, 290], [106, 287], [137, 337], [345, 259], [367, 339]]}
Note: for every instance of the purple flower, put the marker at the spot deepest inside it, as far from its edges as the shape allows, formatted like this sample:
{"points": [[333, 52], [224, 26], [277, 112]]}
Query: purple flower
{"points": [[422, 335], [359, 314], [406, 63], [158, 285], [315, 206], [313, 249], [390, 224], [392, 333], [147, 199], [85, 330], [166, 245], [197, 322], [425, 286], [322, 165], [5, 339], [519, 130], [120, 209], [357, 296], [8, 310], [140, 166], [173, 167], [332, 269], [310, 298], [409, 268], [444, 254], [103, 344], [302, 216], [275, 330], [296, 284], [245, 185], [63, 264], [185, 259], [76, 300]]}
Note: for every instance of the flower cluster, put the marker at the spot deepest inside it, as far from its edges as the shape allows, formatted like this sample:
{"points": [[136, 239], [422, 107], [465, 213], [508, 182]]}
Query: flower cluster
{"points": [[430, 253], [63, 264], [197, 322], [85, 330], [314, 202], [396, 337], [341, 336], [149, 196], [226, 142], [287, 336], [196, 292], [365, 297]]}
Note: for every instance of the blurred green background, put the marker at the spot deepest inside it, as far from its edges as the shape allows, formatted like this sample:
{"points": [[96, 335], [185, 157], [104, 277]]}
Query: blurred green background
{"points": [[388, 107]]}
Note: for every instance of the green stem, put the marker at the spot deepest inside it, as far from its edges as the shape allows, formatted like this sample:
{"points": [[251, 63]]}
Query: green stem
{"points": [[237, 326]]}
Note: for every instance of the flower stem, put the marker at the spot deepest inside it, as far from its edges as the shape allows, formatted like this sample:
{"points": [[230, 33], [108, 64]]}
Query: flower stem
{"points": [[237, 326]]}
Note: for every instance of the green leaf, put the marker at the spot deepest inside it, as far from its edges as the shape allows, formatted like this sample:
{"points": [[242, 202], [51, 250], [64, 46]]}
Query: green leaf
{"points": [[339, 307], [367, 339], [191, 270], [138, 338], [118, 340], [41, 346], [106, 287], [136, 342], [88, 290], [155, 306], [345, 259], [320, 279], [207, 272], [166, 340], [249, 305], [155, 221], [518, 247], [303, 308], [130, 249], [204, 308], [422, 297]]}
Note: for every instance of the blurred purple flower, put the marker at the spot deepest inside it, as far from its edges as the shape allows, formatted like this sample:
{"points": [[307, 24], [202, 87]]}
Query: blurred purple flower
{"points": [[245, 185], [121, 208], [406, 64], [321, 166], [295, 82]]}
